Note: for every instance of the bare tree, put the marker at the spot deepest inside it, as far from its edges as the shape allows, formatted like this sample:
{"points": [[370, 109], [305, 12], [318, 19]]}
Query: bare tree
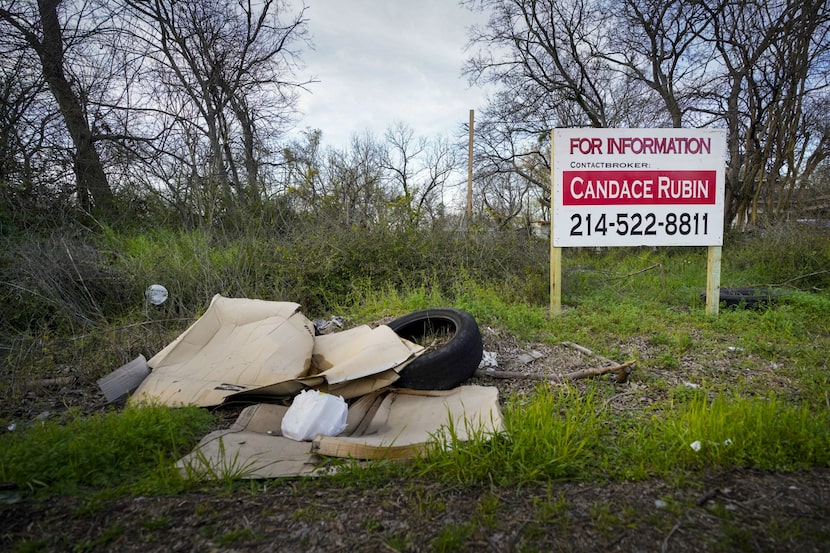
{"points": [[504, 197], [355, 192], [551, 60], [418, 170], [759, 69], [19, 141], [546, 53], [302, 167], [41, 28], [658, 43], [224, 85], [768, 53]]}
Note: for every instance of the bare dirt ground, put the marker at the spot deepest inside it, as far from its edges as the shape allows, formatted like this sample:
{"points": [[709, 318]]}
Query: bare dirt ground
{"points": [[733, 510]]}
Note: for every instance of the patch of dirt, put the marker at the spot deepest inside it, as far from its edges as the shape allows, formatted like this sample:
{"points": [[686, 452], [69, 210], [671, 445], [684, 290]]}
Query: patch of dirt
{"points": [[738, 509]]}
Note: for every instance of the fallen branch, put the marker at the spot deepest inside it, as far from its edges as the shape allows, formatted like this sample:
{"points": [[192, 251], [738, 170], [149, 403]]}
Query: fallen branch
{"points": [[655, 266], [57, 381], [799, 277], [621, 372], [586, 351], [665, 545]]}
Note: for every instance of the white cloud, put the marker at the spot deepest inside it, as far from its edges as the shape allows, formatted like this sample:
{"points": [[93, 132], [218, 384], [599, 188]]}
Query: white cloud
{"points": [[383, 61]]}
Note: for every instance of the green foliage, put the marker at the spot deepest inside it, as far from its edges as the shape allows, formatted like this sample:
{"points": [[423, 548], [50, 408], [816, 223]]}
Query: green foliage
{"points": [[87, 279], [451, 537], [795, 255], [228, 470], [89, 314], [545, 438], [135, 447], [564, 434], [60, 281], [326, 269], [765, 433]]}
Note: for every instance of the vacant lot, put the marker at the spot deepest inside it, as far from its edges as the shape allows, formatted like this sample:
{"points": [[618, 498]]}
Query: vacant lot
{"points": [[625, 480], [724, 509]]}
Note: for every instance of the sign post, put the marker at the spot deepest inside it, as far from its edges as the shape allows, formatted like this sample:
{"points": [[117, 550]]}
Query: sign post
{"points": [[713, 280], [555, 251], [637, 187]]}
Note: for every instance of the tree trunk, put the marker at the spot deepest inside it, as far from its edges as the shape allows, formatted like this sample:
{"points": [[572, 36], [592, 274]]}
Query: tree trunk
{"points": [[94, 192]]}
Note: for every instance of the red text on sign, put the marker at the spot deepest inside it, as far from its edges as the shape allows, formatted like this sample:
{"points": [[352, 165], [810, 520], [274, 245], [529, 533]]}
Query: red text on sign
{"points": [[638, 187]]}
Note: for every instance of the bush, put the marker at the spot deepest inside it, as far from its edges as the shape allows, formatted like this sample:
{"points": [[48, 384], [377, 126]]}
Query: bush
{"points": [[60, 281], [77, 298], [792, 255]]}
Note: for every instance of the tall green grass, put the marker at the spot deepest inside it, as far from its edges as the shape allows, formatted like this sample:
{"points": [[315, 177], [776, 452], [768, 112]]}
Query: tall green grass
{"points": [[762, 432], [131, 449], [75, 302], [563, 434]]}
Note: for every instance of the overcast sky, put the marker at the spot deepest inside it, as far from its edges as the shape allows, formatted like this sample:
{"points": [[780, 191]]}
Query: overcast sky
{"points": [[378, 61]]}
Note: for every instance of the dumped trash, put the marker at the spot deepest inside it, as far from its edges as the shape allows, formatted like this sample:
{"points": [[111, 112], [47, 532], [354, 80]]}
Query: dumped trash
{"points": [[449, 364], [697, 444], [244, 348], [124, 380], [488, 360], [323, 326], [336, 394], [313, 413], [747, 297], [156, 294], [388, 424]]}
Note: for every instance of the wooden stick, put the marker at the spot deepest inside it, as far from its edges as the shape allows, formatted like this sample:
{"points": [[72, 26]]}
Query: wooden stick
{"points": [[586, 351], [622, 372], [57, 381], [815, 273]]}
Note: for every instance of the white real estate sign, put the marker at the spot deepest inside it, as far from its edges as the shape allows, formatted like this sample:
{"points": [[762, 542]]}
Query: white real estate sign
{"points": [[638, 187]]}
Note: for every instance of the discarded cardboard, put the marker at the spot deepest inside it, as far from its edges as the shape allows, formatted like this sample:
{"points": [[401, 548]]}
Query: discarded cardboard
{"points": [[243, 349], [124, 380], [247, 348], [399, 425], [387, 424], [252, 448], [238, 344], [349, 364]]}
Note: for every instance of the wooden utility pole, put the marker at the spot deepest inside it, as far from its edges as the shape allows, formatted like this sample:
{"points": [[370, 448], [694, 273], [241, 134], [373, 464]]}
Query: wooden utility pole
{"points": [[470, 171]]}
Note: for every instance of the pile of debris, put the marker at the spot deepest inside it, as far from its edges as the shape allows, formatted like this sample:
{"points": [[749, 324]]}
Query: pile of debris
{"points": [[397, 394]]}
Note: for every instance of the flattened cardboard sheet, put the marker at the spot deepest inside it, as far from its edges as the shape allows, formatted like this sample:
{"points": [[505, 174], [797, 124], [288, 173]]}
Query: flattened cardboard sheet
{"points": [[360, 351], [124, 380], [252, 448], [237, 345], [404, 421], [386, 424], [245, 348], [349, 364]]}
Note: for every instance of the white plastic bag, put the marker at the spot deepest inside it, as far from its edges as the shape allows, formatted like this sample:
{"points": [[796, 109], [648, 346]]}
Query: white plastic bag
{"points": [[312, 413]]}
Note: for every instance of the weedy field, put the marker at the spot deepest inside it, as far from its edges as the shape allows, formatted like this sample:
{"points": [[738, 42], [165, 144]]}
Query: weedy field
{"points": [[718, 440]]}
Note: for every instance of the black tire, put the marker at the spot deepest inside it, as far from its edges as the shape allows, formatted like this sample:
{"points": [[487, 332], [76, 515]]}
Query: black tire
{"points": [[748, 298], [449, 365]]}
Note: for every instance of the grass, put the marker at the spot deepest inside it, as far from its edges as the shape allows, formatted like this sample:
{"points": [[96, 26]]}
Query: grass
{"points": [[564, 434], [765, 433], [227, 470], [756, 375], [451, 537], [131, 450]]}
